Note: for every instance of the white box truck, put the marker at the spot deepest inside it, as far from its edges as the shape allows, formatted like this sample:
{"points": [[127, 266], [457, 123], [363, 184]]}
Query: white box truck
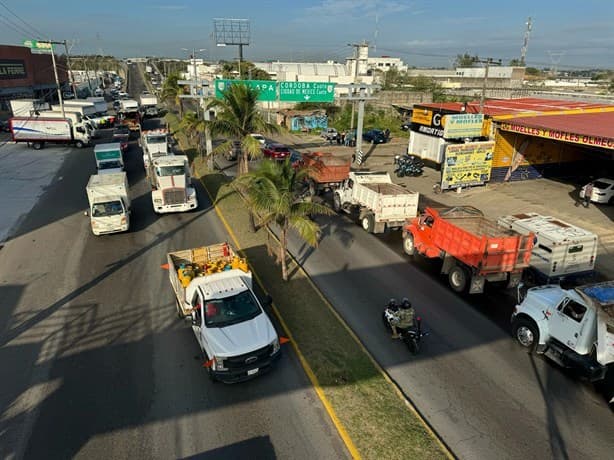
{"points": [[37, 131], [149, 105], [572, 327], [77, 119], [109, 203], [560, 251], [27, 107], [380, 204], [109, 158], [213, 288], [100, 104], [171, 185]]}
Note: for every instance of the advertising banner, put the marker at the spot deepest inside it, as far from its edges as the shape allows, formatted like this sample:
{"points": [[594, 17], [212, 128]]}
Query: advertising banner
{"points": [[466, 165], [463, 125], [604, 142]]}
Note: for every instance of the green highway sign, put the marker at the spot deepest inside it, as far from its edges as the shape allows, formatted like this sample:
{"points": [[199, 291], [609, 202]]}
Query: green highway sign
{"points": [[304, 91], [35, 45], [267, 88]]}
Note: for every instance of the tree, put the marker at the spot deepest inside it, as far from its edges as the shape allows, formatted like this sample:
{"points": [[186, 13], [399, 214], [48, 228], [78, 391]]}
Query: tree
{"points": [[249, 71], [172, 91], [465, 60], [516, 63], [194, 127], [273, 193], [237, 117]]}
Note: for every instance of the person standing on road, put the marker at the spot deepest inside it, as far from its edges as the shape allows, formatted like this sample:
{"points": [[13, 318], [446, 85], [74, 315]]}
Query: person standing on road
{"points": [[588, 193], [342, 137]]}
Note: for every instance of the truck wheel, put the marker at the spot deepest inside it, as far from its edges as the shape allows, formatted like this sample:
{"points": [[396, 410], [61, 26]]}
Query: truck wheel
{"points": [[336, 202], [408, 244], [37, 145], [526, 333], [458, 278], [79, 144], [368, 223]]}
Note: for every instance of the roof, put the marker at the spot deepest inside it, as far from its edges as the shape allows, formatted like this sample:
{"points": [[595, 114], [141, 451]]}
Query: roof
{"points": [[551, 227], [598, 125], [221, 287], [107, 146], [494, 107]]}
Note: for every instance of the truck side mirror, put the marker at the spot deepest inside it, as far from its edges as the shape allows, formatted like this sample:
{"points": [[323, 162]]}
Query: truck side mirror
{"points": [[86, 213]]}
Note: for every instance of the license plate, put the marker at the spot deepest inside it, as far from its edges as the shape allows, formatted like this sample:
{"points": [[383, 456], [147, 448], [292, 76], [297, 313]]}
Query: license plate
{"points": [[252, 371]]}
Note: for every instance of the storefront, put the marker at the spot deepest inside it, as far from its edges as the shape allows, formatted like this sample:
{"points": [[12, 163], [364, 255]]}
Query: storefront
{"points": [[565, 145]]}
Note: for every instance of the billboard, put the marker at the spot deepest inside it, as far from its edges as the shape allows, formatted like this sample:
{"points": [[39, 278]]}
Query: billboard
{"points": [[466, 165], [463, 125], [604, 142]]}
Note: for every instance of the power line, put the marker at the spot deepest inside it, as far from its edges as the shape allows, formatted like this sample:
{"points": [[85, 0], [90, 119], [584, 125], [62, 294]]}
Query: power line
{"points": [[14, 26], [36, 31]]}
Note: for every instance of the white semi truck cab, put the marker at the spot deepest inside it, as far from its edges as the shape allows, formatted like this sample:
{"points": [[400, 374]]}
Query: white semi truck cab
{"points": [[573, 327], [171, 185], [154, 143]]}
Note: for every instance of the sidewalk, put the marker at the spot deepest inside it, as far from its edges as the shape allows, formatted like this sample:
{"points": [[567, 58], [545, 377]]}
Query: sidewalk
{"points": [[543, 196]]}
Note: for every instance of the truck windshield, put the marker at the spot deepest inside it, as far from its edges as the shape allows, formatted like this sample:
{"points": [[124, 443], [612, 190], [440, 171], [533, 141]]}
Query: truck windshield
{"points": [[108, 208], [164, 171], [231, 310], [109, 165], [156, 139]]}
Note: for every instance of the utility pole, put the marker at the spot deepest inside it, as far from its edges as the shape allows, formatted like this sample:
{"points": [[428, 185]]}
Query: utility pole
{"points": [[525, 44], [487, 63], [72, 77], [364, 94], [356, 52]]}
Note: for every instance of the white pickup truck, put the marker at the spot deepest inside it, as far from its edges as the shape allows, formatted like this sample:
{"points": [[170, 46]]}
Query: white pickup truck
{"points": [[380, 204], [573, 327], [213, 288]]}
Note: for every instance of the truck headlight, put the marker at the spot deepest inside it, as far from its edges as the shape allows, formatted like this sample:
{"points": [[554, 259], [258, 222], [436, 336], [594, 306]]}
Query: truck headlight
{"points": [[158, 200], [275, 344], [218, 364]]}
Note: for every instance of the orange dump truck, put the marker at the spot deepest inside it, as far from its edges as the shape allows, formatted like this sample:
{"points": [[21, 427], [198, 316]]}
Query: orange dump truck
{"points": [[474, 249], [327, 171]]}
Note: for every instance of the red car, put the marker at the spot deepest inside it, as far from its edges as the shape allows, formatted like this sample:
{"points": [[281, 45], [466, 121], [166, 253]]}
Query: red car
{"points": [[275, 151]]}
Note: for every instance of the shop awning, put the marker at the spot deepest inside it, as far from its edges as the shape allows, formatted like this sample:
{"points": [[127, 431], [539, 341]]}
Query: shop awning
{"points": [[591, 129]]}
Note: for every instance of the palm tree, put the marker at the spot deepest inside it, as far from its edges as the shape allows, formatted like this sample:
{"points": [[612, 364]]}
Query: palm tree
{"points": [[237, 117], [194, 127], [172, 91], [273, 192]]}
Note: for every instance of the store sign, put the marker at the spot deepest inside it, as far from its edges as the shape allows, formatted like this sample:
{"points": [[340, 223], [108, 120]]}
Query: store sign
{"points": [[463, 125], [556, 135], [428, 122], [12, 69], [466, 165]]}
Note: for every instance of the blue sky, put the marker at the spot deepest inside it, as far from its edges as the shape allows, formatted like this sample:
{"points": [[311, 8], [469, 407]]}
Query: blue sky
{"points": [[578, 34]]}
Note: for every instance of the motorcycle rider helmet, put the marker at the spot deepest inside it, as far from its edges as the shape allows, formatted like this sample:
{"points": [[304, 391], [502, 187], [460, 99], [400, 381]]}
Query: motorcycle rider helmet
{"points": [[406, 304], [392, 303]]}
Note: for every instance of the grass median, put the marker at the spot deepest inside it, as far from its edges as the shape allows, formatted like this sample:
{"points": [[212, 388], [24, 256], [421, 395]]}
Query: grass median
{"points": [[366, 404]]}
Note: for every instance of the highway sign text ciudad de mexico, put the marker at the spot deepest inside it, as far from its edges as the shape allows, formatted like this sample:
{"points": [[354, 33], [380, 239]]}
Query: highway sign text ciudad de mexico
{"points": [[305, 91]]}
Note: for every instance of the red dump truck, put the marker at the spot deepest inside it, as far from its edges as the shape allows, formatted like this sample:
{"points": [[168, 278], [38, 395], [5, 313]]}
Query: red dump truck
{"points": [[474, 249], [327, 171]]}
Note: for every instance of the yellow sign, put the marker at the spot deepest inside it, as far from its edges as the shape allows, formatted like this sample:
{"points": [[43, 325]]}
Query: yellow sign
{"points": [[422, 116], [467, 164], [604, 142]]}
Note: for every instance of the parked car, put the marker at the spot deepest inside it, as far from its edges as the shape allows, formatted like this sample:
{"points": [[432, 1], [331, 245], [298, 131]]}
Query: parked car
{"points": [[259, 137], [406, 125], [235, 150], [275, 151], [375, 136], [603, 191], [329, 134]]}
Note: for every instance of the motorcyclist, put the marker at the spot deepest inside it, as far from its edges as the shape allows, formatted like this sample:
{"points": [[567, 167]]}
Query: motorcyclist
{"points": [[404, 317]]}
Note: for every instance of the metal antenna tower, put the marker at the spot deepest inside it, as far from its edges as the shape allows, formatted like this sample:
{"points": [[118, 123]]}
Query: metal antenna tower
{"points": [[525, 43]]}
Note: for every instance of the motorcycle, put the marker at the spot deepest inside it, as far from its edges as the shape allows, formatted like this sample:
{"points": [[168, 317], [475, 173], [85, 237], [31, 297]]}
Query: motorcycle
{"points": [[408, 165], [411, 336]]}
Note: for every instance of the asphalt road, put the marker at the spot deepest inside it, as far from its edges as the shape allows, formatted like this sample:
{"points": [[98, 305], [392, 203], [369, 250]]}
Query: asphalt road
{"points": [[95, 363], [485, 396]]}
